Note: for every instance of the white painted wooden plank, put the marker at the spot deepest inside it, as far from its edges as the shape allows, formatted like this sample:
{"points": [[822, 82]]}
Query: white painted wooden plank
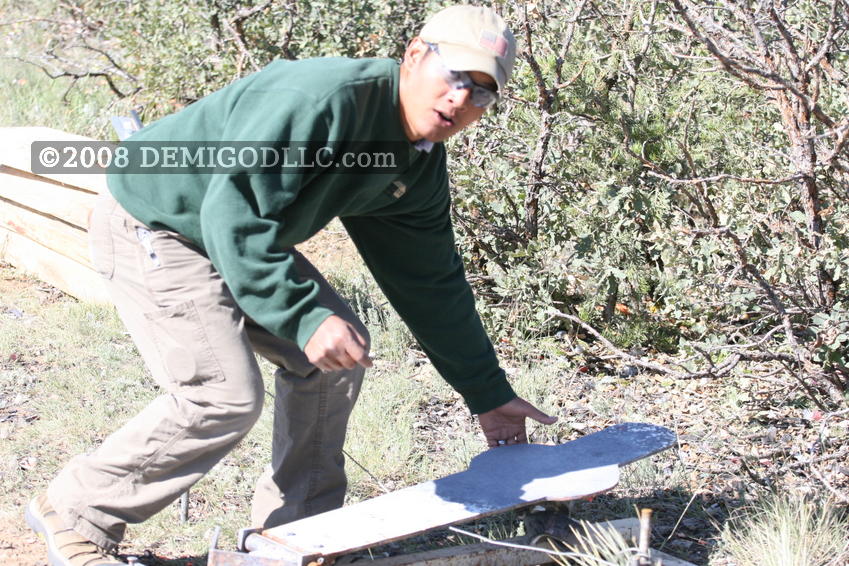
{"points": [[66, 274], [497, 480], [65, 239], [55, 200], [453, 499], [15, 145]]}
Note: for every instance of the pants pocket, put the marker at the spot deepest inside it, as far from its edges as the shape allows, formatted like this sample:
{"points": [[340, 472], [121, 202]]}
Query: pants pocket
{"points": [[183, 346]]}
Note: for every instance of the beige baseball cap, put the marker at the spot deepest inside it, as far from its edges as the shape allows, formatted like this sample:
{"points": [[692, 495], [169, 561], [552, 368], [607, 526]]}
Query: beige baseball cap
{"points": [[473, 38]]}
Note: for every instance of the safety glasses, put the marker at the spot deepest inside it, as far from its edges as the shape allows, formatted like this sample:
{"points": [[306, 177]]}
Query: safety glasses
{"points": [[481, 96]]}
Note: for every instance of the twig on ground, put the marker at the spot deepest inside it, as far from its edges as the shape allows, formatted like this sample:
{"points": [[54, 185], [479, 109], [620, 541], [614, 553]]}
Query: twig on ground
{"points": [[834, 491], [680, 518], [644, 557], [751, 473], [824, 458], [382, 487], [610, 346]]}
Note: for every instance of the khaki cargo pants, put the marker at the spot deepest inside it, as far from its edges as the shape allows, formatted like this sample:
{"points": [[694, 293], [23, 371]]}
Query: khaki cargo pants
{"points": [[200, 347]]}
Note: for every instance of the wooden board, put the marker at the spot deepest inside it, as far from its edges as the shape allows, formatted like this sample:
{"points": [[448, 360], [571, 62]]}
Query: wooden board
{"points": [[44, 219], [61, 237], [496, 481], [66, 274], [50, 199], [477, 554], [15, 153]]}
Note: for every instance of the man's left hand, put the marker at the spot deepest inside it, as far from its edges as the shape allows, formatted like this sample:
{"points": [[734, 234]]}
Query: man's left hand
{"points": [[506, 424]]}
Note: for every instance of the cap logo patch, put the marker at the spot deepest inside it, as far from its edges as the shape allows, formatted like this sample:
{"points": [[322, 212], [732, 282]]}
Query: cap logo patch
{"points": [[494, 42]]}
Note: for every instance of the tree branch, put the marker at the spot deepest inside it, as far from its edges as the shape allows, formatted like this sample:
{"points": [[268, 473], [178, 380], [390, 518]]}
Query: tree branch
{"points": [[724, 177], [567, 39], [81, 75], [834, 491], [827, 42], [745, 72]]}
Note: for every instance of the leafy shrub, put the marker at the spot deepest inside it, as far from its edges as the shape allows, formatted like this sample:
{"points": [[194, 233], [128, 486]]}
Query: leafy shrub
{"points": [[650, 164]]}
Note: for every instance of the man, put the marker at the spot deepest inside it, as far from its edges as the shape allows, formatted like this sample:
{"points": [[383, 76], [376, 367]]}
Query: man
{"points": [[203, 271]]}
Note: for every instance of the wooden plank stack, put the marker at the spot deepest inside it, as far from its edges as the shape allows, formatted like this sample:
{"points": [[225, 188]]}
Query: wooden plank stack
{"points": [[44, 218]]}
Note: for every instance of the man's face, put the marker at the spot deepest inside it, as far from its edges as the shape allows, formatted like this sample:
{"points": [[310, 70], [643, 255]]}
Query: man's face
{"points": [[430, 108]]}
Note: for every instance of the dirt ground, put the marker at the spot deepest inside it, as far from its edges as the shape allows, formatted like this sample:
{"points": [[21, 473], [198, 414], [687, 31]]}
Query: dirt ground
{"points": [[18, 544]]}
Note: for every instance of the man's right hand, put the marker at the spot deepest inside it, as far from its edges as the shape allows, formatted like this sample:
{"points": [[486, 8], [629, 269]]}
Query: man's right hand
{"points": [[337, 345]]}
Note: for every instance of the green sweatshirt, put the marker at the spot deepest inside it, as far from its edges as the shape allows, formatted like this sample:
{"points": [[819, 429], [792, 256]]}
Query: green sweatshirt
{"points": [[247, 222]]}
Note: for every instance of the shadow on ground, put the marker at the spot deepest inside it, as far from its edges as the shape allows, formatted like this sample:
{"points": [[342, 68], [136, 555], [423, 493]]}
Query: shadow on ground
{"points": [[154, 560]]}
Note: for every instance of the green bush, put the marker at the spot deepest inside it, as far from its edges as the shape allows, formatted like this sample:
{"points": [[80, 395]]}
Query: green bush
{"points": [[648, 168]]}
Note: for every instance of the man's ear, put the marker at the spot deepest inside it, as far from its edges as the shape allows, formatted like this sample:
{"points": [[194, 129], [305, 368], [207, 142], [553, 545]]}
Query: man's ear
{"points": [[415, 52]]}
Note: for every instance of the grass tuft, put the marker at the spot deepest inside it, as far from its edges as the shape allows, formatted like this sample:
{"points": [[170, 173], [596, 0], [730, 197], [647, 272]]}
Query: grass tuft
{"points": [[785, 530], [597, 545]]}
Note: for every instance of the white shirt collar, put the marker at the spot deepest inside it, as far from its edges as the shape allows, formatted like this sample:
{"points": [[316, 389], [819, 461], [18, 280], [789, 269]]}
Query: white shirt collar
{"points": [[423, 145]]}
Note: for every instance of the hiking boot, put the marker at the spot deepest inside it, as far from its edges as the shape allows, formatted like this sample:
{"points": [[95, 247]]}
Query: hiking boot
{"points": [[65, 547]]}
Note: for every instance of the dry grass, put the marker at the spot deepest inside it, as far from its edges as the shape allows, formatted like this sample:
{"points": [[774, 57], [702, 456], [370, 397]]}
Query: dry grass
{"points": [[596, 545], [69, 375], [784, 530]]}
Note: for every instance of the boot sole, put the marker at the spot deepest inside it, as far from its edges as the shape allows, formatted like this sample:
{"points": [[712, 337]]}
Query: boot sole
{"points": [[36, 523]]}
